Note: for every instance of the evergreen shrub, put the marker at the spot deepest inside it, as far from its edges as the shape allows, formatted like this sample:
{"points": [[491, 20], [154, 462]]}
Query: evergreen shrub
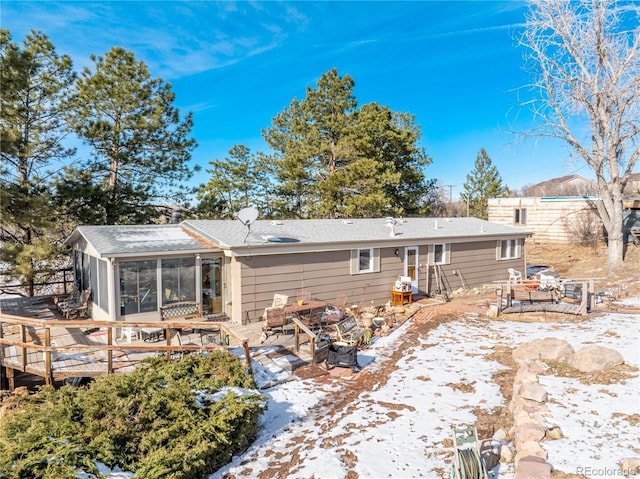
{"points": [[182, 419]]}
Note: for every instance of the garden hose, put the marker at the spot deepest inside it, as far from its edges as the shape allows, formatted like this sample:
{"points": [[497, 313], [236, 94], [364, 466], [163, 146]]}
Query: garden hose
{"points": [[470, 467]]}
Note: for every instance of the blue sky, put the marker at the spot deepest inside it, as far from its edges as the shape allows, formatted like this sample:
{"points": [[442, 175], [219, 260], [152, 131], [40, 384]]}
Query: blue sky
{"points": [[235, 65]]}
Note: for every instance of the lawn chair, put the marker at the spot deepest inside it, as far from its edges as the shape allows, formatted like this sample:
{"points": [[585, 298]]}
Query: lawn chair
{"points": [[279, 300], [515, 276], [548, 281], [71, 309], [337, 312], [275, 321]]}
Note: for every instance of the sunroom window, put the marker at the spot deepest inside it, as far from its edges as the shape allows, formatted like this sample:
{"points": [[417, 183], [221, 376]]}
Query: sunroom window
{"points": [[178, 280], [138, 286]]}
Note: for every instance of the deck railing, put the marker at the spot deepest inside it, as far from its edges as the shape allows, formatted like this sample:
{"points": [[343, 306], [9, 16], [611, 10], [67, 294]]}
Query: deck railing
{"points": [[30, 335]]}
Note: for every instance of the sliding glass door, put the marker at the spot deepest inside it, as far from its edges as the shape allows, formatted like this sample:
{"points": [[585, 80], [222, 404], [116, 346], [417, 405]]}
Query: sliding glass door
{"points": [[212, 285]]}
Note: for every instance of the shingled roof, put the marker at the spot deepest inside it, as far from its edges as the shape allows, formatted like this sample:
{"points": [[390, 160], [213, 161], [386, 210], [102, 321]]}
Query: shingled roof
{"points": [[281, 235]]}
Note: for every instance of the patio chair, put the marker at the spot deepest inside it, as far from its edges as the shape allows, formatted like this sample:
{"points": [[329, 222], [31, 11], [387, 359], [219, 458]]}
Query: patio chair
{"points": [[276, 320], [78, 309], [279, 300], [337, 312], [514, 276], [548, 282]]}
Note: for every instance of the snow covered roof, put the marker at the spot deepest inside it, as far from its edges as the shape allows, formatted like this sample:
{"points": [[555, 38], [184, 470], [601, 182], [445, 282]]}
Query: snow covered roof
{"points": [[273, 236], [125, 240]]}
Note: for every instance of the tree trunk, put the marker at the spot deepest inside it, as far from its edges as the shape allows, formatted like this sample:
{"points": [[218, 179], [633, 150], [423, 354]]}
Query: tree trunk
{"points": [[615, 235], [610, 209]]}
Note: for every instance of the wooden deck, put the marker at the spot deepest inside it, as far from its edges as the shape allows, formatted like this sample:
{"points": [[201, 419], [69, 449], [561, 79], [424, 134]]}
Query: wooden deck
{"points": [[35, 339], [572, 297]]}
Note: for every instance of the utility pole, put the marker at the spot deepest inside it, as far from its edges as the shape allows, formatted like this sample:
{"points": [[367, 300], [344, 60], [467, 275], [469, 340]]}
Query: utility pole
{"points": [[450, 193]]}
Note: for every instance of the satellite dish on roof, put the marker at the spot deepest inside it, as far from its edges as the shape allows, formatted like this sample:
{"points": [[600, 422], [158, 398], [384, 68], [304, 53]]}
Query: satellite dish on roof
{"points": [[247, 215]]}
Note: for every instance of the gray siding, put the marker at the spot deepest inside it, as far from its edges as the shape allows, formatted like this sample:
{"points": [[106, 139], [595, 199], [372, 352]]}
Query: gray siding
{"points": [[475, 264], [327, 274]]}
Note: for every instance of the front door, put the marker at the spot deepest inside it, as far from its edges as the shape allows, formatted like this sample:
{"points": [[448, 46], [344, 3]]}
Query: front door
{"points": [[411, 263], [212, 285]]}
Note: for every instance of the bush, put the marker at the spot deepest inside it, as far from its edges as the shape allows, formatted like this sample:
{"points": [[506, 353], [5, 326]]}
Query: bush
{"points": [[183, 419]]}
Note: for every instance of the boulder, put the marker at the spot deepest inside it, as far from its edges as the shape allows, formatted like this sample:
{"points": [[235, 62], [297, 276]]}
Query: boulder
{"points": [[533, 392], [506, 454], [530, 448], [630, 466], [531, 467], [500, 435], [548, 349], [595, 358], [554, 432], [529, 431]]}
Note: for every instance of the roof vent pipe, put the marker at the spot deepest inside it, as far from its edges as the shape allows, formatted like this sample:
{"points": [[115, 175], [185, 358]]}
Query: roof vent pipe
{"points": [[392, 229]]}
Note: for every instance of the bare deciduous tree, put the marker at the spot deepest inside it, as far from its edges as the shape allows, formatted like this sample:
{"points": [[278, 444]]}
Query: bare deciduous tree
{"points": [[585, 57]]}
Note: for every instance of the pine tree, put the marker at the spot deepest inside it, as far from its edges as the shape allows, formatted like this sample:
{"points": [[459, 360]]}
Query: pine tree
{"points": [[482, 183], [236, 182], [35, 88], [333, 159], [140, 147]]}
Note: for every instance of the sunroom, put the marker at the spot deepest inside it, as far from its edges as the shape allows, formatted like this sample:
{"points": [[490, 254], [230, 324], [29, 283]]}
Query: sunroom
{"points": [[138, 269]]}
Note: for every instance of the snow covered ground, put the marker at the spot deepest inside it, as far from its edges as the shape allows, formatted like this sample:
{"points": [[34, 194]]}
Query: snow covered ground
{"points": [[397, 427], [325, 428]]}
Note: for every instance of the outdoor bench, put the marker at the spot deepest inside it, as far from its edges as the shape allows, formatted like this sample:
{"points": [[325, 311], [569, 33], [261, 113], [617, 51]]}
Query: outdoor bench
{"points": [[348, 331], [180, 310]]}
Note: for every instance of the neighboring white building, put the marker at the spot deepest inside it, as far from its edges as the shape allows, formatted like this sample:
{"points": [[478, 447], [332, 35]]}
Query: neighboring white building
{"points": [[559, 219]]}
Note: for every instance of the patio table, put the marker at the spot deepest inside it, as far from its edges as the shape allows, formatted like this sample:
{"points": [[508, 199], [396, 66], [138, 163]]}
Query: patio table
{"points": [[305, 311]]}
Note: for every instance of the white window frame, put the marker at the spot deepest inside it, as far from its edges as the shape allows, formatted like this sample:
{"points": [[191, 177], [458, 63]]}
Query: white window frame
{"points": [[519, 216], [446, 254], [374, 261], [509, 249]]}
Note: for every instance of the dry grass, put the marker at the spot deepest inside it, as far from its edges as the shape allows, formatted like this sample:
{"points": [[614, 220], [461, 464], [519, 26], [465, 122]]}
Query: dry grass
{"points": [[618, 375]]}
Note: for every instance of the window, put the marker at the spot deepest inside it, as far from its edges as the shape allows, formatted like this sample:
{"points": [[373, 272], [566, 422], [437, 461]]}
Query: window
{"points": [[365, 261], [178, 280], [439, 253], [103, 294], [138, 286], [509, 249], [520, 216]]}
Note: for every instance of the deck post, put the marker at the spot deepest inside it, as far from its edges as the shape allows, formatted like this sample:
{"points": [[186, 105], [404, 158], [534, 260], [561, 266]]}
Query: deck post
{"points": [[312, 348], [11, 378], [247, 356], [23, 340], [109, 351], [167, 335], [296, 335], [48, 367], [584, 298]]}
